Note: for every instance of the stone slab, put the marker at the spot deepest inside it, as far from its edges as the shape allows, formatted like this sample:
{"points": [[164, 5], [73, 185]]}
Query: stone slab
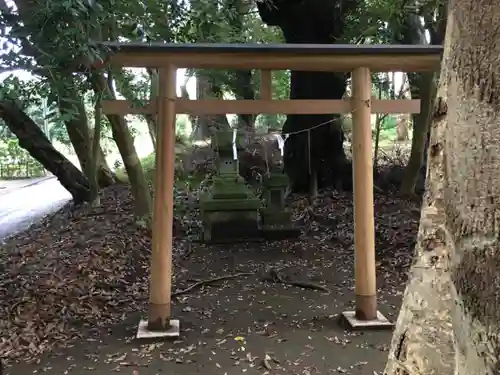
{"points": [[348, 318], [144, 333]]}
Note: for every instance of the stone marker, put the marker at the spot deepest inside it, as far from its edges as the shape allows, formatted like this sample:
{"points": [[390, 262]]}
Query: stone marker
{"points": [[276, 220]]}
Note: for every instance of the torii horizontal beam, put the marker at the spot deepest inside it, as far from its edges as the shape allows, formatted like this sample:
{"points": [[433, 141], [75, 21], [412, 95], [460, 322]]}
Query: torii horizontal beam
{"points": [[255, 107]]}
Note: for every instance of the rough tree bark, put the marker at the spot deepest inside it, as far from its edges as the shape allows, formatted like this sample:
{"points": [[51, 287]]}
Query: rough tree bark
{"points": [[33, 140], [449, 322], [319, 22]]}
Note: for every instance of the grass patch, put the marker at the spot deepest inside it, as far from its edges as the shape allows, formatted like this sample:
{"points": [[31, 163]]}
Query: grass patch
{"points": [[148, 165]]}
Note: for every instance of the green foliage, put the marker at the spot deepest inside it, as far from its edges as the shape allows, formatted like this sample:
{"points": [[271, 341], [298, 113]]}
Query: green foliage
{"points": [[32, 95], [148, 162], [269, 121], [57, 36], [15, 162], [182, 126], [388, 129]]}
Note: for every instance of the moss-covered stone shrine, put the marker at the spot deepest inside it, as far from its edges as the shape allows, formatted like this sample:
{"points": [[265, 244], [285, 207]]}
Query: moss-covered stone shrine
{"points": [[230, 211]]}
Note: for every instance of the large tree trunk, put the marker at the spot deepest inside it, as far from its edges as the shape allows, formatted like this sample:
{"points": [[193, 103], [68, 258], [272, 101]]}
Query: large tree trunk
{"points": [[32, 139], [243, 90], [241, 82], [320, 22], [449, 322], [125, 143]]}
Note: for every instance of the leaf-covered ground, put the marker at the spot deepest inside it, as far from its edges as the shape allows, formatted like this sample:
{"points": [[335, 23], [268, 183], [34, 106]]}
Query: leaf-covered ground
{"points": [[74, 287]]}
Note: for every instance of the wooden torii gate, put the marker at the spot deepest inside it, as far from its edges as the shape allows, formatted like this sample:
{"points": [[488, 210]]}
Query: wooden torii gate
{"points": [[360, 60]]}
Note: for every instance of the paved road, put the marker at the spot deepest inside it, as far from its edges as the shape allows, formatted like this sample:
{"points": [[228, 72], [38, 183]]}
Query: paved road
{"points": [[7, 186], [22, 206]]}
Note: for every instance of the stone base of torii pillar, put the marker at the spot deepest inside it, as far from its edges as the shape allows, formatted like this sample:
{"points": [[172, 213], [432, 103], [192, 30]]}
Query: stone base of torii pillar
{"points": [[144, 333]]}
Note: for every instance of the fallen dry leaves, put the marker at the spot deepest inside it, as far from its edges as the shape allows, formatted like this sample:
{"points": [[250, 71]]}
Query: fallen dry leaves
{"points": [[80, 271]]}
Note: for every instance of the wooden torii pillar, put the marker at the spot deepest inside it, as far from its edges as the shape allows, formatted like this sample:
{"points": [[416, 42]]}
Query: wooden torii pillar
{"points": [[366, 313], [360, 60], [160, 288]]}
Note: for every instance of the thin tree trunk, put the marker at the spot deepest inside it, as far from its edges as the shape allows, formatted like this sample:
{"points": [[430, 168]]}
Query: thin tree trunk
{"points": [[78, 130], [449, 321], [94, 182], [151, 129], [125, 143], [192, 118], [128, 91], [424, 88], [151, 121], [379, 118], [204, 125], [33, 140], [70, 101]]}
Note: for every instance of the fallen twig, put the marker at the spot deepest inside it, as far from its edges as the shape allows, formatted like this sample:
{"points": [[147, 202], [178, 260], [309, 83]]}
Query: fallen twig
{"points": [[210, 281], [306, 285], [275, 276]]}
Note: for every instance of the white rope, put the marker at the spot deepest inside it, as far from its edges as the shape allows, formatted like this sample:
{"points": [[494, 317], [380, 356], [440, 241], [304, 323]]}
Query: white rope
{"points": [[235, 151], [281, 142]]}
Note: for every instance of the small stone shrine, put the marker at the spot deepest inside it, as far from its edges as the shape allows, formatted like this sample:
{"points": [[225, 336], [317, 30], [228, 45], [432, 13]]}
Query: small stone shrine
{"points": [[276, 220], [230, 210]]}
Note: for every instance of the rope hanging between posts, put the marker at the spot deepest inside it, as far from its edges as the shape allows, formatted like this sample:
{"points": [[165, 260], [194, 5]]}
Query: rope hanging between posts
{"points": [[282, 138], [309, 151], [285, 136]]}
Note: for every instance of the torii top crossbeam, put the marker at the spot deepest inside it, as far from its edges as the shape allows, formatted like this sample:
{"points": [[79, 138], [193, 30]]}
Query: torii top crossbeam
{"points": [[305, 57]]}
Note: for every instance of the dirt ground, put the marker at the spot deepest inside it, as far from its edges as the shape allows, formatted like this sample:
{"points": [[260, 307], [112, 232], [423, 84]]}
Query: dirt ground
{"points": [[75, 287]]}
